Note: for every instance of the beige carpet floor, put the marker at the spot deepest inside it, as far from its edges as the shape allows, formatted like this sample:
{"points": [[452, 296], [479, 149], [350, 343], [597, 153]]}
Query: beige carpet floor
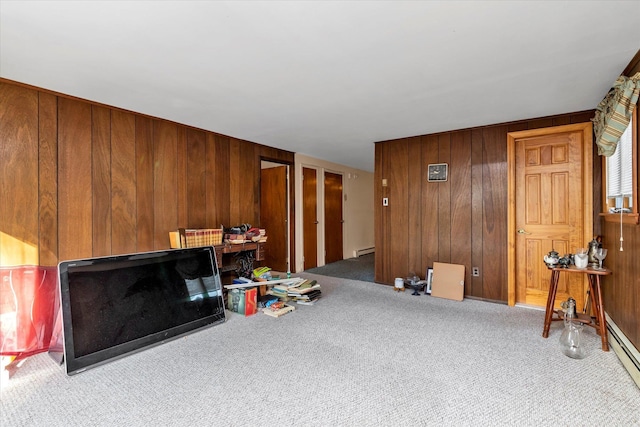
{"points": [[364, 355]]}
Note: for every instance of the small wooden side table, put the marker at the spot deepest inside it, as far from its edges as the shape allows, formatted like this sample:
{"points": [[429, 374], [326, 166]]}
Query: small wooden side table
{"points": [[595, 293]]}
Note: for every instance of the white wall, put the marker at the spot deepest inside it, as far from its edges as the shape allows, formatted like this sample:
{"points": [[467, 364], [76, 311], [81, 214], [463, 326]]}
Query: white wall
{"points": [[358, 231]]}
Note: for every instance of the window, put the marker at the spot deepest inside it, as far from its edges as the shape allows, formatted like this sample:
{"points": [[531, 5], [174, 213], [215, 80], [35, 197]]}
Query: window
{"points": [[620, 173], [621, 187]]}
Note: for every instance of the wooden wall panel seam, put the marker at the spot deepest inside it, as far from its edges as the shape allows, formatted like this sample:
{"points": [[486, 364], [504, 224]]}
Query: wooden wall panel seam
{"points": [[47, 179]]}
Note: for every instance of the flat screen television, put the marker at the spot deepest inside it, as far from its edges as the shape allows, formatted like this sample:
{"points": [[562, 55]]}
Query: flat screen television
{"points": [[115, 305]]}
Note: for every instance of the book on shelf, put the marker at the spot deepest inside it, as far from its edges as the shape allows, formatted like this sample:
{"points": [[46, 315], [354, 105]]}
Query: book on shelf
{"points": [[174, 240]]}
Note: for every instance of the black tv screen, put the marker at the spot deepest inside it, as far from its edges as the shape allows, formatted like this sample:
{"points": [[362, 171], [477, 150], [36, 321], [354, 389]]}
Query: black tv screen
{"points": [[115, 305]]}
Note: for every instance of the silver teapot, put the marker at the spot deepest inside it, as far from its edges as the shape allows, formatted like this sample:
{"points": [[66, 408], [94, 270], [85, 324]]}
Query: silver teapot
{"points": [[552, 258], [565, 261]]}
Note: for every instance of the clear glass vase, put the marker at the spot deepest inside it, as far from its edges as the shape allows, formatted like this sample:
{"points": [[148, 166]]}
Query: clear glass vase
{"points": [[571, 337], [572, 345]]}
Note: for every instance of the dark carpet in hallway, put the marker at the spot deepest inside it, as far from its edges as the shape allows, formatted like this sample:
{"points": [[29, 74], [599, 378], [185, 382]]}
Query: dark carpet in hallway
{"points": [[360, 268]]}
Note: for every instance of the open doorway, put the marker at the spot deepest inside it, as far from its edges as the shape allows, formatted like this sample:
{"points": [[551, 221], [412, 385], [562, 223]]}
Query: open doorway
{"points": [[275, 214]]}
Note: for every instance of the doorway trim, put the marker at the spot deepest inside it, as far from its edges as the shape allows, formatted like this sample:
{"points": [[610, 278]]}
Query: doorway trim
{"points": [[318, 218], [324, 230], [290, 205], [587, 186]]}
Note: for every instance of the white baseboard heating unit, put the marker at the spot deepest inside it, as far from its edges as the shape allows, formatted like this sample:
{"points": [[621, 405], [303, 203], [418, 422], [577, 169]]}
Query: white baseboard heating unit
{"points": [[364, 251], [624, 349]]}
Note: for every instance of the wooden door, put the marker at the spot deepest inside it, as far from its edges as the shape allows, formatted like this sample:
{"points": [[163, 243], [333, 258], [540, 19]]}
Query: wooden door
{"points": [[310, 217], [332, 217], [273, 216], [550, 208]]}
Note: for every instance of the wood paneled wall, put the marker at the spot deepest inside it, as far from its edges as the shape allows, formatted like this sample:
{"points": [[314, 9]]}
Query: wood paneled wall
{"points": [[81, 179], [621, 290], [460, 221]]}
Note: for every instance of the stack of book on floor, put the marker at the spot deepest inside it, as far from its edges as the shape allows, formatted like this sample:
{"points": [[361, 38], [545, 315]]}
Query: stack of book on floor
{"points": [[278, 309], [306, 293], [279, 291], [281, 288]]}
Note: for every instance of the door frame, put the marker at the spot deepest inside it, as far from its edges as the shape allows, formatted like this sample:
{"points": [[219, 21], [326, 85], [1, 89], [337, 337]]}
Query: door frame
{"points": [[290, 207], [323, 208], [587, 188], [317, 217]]}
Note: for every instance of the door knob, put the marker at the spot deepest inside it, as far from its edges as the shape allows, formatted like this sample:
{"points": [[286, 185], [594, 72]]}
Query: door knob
{"points": [[522, 231]]}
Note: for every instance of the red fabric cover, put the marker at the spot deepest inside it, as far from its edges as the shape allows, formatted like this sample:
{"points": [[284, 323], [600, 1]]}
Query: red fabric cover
{"points": [[27, 302]]}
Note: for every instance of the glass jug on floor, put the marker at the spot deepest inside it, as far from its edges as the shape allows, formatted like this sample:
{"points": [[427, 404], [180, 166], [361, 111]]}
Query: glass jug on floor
{"points": [[572, 346], [572, 333]]}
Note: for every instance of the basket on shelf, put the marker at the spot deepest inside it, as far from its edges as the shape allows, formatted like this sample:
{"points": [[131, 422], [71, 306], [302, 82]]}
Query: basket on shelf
{"points": [[194, 237]]}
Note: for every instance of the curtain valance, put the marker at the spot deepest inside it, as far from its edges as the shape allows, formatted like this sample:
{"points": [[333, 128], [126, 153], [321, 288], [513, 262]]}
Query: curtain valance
{"points": [[614, 112]]}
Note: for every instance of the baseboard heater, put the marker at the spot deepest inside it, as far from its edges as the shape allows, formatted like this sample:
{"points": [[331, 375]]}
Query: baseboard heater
{"points": [[625, 350], [364, 251]]}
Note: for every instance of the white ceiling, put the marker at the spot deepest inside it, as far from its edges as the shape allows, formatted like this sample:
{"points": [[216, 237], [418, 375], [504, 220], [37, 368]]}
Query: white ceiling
{"points": [[326, 79]]}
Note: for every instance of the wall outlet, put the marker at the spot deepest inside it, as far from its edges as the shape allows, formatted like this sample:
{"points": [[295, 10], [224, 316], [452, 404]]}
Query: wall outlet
{"points": [[475, 271]]}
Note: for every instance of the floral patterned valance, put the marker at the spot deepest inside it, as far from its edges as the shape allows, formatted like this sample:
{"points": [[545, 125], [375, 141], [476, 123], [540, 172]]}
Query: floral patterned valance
{"points": [[614, 112]]}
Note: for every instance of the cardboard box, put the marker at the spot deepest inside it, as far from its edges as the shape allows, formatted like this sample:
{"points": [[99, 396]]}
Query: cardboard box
{"points": [[448, 281], [243, 301], [251, 301]]}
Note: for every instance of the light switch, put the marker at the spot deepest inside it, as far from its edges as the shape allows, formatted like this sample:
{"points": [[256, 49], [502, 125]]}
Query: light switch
{"points": [[385, 201]]}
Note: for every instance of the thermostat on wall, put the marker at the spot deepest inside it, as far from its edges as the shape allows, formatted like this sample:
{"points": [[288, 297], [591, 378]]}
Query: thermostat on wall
{"points": [[438, 172]]}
